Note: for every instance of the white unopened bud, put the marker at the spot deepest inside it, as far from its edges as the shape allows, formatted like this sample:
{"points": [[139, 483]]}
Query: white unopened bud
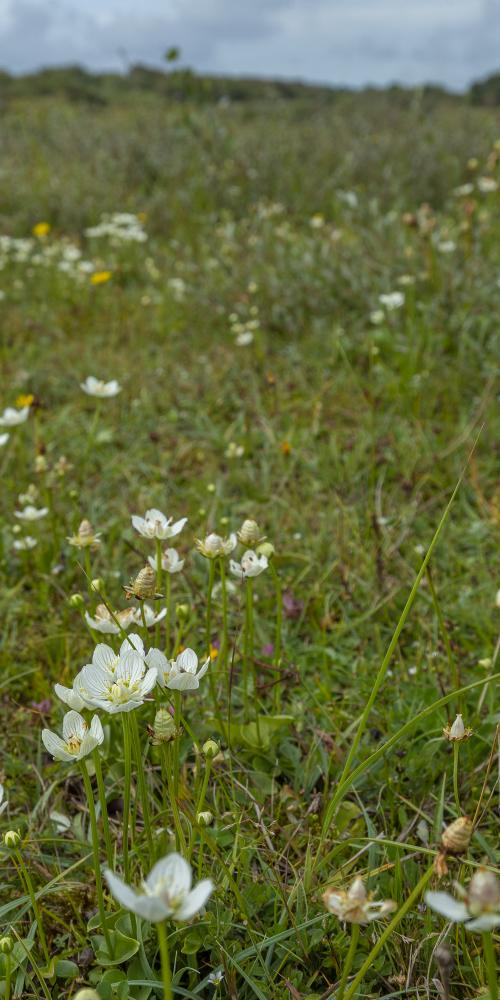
{"points": [[205, 818]]}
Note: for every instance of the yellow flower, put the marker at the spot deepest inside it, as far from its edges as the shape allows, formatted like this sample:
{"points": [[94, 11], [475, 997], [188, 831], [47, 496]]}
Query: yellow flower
{"points": [[100, 277], [214, 652], [25, 399], [41, 229], [286, 447]]}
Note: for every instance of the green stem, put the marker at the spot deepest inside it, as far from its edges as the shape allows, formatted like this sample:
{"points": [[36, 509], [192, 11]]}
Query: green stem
{"points": [[144, 622], [180, 842], [166, 975], [277, 640], [127, 752], [34, 904], [141, 781], [7, 977], [168, 616], [348, 962], [407, 905], [104, 809], [224, 645], [158, 584], [489, 956], [208, 631], [456, 748], [95, 848]]}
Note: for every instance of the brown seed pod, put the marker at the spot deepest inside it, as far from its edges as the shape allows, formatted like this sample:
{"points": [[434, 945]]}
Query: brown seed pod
{"points": [[457, 836], [144, 585]]}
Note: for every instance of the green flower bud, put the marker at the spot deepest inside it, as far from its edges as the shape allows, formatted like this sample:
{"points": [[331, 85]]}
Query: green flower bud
{"points": [[182, 612], [76, 601], [205, 818], [97, 584], [266, 549], [6, 945], [210, 749], [86, 994], [164, 729], [12, 838]]}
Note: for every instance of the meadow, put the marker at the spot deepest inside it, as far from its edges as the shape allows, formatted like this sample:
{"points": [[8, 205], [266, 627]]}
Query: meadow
{"points": [[291, 309]]}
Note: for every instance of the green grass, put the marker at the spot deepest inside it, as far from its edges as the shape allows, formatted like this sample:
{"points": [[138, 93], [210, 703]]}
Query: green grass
{"points": [[354, 435]]}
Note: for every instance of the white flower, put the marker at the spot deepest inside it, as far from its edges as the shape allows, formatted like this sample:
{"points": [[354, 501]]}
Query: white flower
{"points": [[120, 691], [69, 697], [78, 738], [479, 908], [251, 565], [244, 338], [355, 905], [96, 387], [181, 674], [170, 561], [447, 246], [463, 191], [103, 622], [3, 439], [3, 801], [31, 513], [156, 525], [24, 544], [85, 537], [166, 891], [151, 617], [487, 184], [12, 417], [392, 300], [457, 731], [106, 659], [216, 977], [214, 546]]}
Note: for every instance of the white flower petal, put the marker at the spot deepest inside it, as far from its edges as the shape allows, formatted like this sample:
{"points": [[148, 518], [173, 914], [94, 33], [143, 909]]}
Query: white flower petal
{"points": [[173, 871], [74, 726], [187, 661], [149, 907], [70, 697], [194, 900], [55, 746], [447, 906]]}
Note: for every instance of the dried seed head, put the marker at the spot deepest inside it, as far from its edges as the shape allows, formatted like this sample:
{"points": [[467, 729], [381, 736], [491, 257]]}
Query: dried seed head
{"points": [[444, 959], [249, 533], [144, 585], [457, 836]]}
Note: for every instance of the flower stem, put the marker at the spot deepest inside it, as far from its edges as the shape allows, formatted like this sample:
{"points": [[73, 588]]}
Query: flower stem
{"points": [[34, 904], [158, 585], [104, 808], [277, 640], [348, 962], [489, 955], [168, 616], [143, 792], [127, 751], [7, 977], [165, 961], [95, 848], [180, 842], [456, 748], [224, 646], [407, 905]]}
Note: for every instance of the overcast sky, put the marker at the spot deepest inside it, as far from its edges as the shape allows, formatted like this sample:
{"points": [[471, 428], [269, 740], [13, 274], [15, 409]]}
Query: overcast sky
{"points": [[336, 41]]}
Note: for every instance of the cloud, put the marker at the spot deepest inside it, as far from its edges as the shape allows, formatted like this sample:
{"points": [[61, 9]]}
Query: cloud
{"points": [[339, 41]]}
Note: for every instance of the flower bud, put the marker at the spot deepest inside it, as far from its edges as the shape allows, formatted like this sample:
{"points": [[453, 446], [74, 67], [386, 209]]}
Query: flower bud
{"points": [[205, 818], [457, 732], [6, 945], [164, 729], [210, 749], [76, 601], [12, 838], [97, 584], [249, 533], [266, 549], [86, 994], [182, 612]]}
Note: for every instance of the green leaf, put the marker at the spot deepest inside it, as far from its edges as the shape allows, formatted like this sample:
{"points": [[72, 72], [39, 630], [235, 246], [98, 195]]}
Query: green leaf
{"points": [[122, 948], [65, 969]]}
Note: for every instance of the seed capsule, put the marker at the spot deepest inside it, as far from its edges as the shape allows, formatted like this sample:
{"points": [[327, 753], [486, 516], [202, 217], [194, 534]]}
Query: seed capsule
{"points": [[457, 836], [144, 584], [164, 729]]}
